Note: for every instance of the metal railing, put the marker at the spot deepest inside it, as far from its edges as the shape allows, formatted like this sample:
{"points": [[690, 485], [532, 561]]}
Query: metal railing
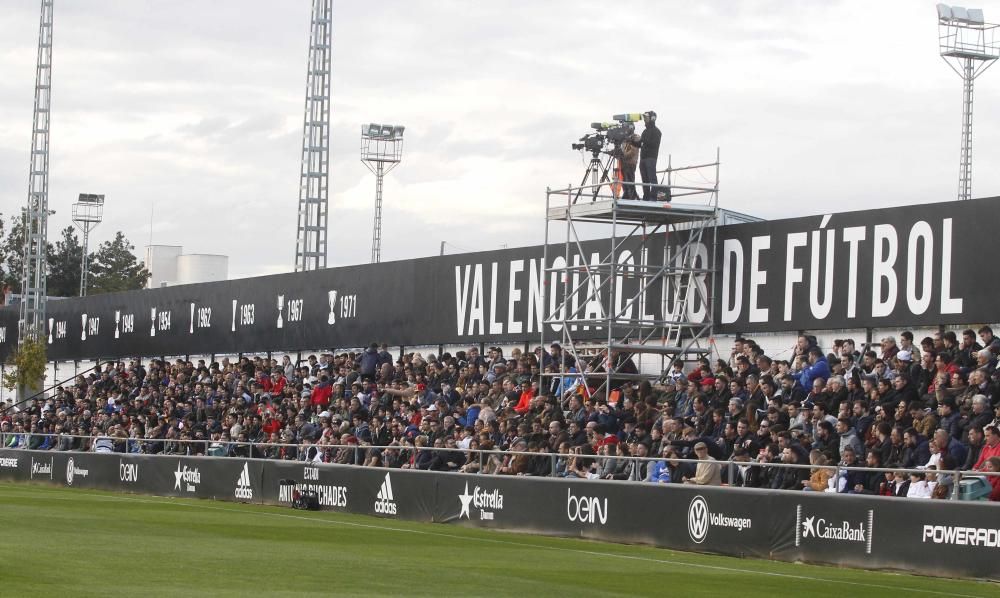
{"points": [[360, 452]]}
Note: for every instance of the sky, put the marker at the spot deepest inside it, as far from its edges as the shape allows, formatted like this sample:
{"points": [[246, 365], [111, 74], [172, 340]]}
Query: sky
{"points": [[187, 114]]}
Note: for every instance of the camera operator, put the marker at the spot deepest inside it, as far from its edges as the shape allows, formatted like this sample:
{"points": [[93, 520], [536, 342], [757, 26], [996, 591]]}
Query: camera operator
{"points": [[628, 159], [650, 144]]}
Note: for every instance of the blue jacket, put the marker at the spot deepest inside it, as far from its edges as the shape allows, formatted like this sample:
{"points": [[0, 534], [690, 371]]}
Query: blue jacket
{"points": [[471, 415], [957, 450], [659, 472], [820, 369], [368, 362]]}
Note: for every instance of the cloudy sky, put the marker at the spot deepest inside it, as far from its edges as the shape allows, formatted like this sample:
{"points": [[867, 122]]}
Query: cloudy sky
{"points": [[194, 108]]}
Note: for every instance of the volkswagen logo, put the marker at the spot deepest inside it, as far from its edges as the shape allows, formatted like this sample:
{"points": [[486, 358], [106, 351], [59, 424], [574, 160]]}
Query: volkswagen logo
{"points": [[69, 471], [698, 519]]}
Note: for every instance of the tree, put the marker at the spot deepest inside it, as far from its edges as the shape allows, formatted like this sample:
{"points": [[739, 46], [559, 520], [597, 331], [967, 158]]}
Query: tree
{"points": [[115, 268], [12, 250], [28, 372], [64, 262]]}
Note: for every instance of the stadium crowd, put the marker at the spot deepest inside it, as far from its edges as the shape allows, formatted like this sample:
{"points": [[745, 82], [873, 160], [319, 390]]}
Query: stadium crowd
{"points": [[933, 406]]}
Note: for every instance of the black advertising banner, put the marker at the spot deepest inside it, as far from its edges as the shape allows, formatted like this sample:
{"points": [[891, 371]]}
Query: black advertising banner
{"points": [[908, 266], [335, 487], [678, 516], [946, 538], [816, 527], [193, 477]]}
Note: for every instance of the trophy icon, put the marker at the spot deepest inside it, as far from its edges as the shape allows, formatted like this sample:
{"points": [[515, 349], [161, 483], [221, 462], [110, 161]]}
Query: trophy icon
{"points": [[281, 307], [332, 298], [191, 327], [83, 327], [152, 320], [51, 321], [118, 317]]}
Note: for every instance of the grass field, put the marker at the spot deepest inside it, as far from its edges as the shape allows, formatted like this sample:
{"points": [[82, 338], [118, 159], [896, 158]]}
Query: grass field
{"points": [[70, 542]]}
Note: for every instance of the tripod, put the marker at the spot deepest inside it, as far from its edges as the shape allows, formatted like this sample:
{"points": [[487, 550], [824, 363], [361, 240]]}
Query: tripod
{"points": [[597, 173]]}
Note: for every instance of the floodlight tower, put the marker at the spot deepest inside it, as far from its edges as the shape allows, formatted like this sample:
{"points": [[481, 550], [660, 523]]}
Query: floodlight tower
{"points": [[314, 182], [36, 213], [381, 151], [88, 212], [969, 47]]}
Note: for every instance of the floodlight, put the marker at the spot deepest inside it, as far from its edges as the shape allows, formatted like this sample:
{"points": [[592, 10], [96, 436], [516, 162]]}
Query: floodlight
{"points": [[88, 212], [968, 44], [381, 151]]}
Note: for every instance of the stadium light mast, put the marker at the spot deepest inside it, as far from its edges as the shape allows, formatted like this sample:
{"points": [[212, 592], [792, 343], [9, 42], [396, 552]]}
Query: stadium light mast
{"points": [[36, 214], [314, 181], [88, 212], [381, 151], [969, 46]]}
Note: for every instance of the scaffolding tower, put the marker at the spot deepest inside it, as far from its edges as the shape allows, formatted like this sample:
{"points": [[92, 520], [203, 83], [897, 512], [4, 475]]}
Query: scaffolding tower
{"points": [[314, 184], [36, 213], [597, 294]]}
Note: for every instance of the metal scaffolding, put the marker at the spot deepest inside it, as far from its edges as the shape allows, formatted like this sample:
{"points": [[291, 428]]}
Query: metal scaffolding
{"points": [[36, 214], [310, 242], [650, 252]]}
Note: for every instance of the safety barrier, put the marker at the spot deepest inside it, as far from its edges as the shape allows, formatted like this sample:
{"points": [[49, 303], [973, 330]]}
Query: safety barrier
{"points": [[357, 454], [923, 536]]}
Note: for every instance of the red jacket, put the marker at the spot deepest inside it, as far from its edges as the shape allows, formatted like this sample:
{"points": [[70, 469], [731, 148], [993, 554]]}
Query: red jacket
{"points": [[987, 452], [320, 396], [524, 404], [271, 426]]}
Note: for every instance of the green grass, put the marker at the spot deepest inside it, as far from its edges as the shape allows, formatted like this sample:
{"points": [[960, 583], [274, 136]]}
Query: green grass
{"points": [[69, 542]]}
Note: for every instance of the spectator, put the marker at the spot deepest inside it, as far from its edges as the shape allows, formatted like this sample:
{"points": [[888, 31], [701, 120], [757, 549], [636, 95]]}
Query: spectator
{"points": [[708, 472], [819, 476], [990, 448], [848, 437], [392, 412], [992, 465]]}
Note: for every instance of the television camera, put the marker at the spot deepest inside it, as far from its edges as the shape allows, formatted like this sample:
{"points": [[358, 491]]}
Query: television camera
{"points": [[614, 132]]}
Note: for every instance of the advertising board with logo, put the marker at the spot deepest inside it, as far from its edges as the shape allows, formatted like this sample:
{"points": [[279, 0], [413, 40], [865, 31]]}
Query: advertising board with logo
{"points": [[42, 468], [701, 520], [313, 478], [244, 489], [186, 479], [482, 503], [128, 472], [385, 501], [947, 538], [73, 472], [586, 508], [814, 525]]}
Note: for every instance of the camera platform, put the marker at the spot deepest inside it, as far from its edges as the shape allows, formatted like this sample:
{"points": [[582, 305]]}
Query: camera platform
{"points": [[628, 211], [652, 314]]}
